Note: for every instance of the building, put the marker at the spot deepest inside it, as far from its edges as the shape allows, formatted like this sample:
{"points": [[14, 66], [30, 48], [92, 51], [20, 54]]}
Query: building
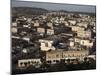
{"points": [[49, 24], [84, 34], [14, 30], [84, 24], [77, 28], [72, 22], [46, 45], [24, 63], [86, 43], [50, 31], [36, 24], [41, 30], [14, 24], [52, 57]]}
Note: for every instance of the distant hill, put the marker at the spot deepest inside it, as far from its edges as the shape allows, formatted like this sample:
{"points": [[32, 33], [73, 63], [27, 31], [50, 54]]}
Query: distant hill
{"points": [[36, 11], [27, 11]]}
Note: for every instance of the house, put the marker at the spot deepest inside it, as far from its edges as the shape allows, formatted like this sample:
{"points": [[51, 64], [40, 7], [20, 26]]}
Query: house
{"points": [[66, 23], [71, 42], [85, 34], [72, 22], [14, 30], [77, 28], [46, 45], [84, 24], [24, 63], [86, 43], [29, 20], [62, 19], [36, 24], [14, 24], [50, 31], [49, 24], [76, 39], [44, 17], [41, 30], [53, 57]]}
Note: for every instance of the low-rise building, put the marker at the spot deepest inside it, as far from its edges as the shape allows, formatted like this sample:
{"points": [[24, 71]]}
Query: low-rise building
{"points": [[84, 24], [14, 24], [41, 30], [24, 63], [86, 43], [36, 24], [50, 31], [52, 57], [49, 24], [84, 34], [46, 45], [14, 30], [77, 28], [72, 22]]}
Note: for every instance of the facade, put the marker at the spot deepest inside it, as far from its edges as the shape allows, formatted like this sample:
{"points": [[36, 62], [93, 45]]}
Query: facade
{"points": [[41, 30], [72, 22], [53, 57], [23, 63], [50, 31], [84, 34], [14, 30], [77, 28], [36, 24], [46, 45]]}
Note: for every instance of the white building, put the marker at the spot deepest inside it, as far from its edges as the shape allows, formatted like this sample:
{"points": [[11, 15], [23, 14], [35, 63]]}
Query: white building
{"points": [[77, 28], [36, 24], [86, 43], [50, 31], [73, 22], [46, 45]]}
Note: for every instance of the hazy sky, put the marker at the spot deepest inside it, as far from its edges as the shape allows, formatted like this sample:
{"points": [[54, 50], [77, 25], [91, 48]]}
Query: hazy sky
{"points": [[55, 6]]}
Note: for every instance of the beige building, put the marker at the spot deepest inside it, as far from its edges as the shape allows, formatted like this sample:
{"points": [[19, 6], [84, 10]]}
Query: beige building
{"points": [[52, 57], [86, 43], [14, 30], [77, 28], [40, 30], [46, 45], [84, 24], [84, 34], [36, 24], [28, 62], [50, 24]]}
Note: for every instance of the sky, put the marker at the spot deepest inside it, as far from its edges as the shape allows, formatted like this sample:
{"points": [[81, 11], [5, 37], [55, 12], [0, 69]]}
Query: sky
{"points": [[55, 6]]}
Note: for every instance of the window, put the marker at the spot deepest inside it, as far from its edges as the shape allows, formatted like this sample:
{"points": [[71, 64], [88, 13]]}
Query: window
{"points": [[57, 61], [25, 63], [46, 44], [49, 61], [54, 60], [28, 62], [57, 55], [21, 63]]}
